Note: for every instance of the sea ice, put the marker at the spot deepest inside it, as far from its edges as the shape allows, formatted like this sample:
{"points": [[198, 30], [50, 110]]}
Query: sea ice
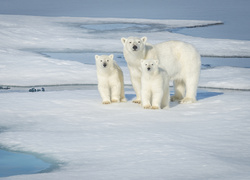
{"points": [[21, 37], [205, 140]]}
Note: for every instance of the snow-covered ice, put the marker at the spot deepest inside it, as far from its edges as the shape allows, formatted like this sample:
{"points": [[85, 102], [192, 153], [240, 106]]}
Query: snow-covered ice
{"points": [[205, 140], [70, 127], [67, 34]]}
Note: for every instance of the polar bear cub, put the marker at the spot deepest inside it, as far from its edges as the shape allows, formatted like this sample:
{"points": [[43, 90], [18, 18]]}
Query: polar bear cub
{"points": [[110, 79], [154, 85], [181, 61]]}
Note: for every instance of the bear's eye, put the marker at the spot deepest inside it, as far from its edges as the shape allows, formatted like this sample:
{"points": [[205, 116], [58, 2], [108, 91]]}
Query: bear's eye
{"points": [[101, 60], [146, 64], [139, 42], [130, 42], [152, 64], [107, 60]]}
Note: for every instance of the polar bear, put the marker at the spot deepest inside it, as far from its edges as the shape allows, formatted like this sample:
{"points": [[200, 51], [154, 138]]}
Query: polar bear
{"points": [[181, 61], [154, 85], [110, 79]]}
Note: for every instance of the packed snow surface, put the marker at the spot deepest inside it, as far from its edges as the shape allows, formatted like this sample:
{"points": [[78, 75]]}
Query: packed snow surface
{"points": [[87, 140], [205, 140]]}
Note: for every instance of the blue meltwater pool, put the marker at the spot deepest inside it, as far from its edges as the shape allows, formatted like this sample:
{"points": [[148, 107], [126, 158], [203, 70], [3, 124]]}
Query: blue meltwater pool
{"points": [[15, 163]]}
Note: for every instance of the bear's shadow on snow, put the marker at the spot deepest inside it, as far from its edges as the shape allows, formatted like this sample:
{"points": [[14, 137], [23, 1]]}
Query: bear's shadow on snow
{"points": [[200, 96], [204, 95], [130, 97]]}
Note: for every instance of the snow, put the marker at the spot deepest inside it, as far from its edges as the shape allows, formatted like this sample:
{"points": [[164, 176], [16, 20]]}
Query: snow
{"points": [[69, 127], [22, 68], [50, 35], [208, 139], [226, 77]]}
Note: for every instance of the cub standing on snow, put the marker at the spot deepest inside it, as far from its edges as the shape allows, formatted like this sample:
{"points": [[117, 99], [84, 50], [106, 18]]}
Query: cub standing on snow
{"points": [[180, 60], [110, 79], [154, 85]]}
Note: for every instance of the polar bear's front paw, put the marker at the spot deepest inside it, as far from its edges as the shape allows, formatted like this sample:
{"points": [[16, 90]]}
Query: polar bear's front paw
{"points": [[106, 102], [147, 106], [187, 100], [166, 107], [115, 100], [137, 101], [124, 100], [175, 98], [155, 107]]}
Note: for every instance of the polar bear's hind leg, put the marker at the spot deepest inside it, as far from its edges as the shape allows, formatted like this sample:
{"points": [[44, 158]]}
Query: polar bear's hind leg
{"points": [[191, 90], [179, 87]]}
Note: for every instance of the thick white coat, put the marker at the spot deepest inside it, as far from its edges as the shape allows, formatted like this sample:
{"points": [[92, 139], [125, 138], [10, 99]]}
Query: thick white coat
{"points": [[154, 85], [110, 79], [181, 61]]}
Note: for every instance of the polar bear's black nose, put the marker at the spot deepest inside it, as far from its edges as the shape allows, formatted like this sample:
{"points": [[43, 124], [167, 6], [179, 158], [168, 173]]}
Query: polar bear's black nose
{"points": [[104, 64], [134, 47], [148, 68]]}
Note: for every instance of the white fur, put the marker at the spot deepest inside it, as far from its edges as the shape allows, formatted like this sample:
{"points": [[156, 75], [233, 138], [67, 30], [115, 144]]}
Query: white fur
{"points": [[181, 61], [110, 79], [154, 85]]}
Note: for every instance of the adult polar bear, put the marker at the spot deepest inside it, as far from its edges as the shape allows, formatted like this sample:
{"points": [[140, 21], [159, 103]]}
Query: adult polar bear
{"points": [[181, 61]]}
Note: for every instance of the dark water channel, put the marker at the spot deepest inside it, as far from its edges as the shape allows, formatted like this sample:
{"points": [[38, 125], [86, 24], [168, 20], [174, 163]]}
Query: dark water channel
{"points": [[207, 62]]}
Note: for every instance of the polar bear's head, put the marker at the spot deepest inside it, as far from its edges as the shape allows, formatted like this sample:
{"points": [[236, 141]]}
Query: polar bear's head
{"points": [[104, 61], [149, 65], [134, 44]]}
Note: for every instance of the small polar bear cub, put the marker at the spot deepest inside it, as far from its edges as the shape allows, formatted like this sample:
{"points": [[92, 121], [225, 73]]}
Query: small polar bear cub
{"points": [[154, 85], [110, 79]]}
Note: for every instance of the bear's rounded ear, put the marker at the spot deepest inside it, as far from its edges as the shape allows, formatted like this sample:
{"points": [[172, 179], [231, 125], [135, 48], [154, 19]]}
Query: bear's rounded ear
{"points": [[111, 56], [144, 39], [96, 57], [157, 62], [123, 40]]}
